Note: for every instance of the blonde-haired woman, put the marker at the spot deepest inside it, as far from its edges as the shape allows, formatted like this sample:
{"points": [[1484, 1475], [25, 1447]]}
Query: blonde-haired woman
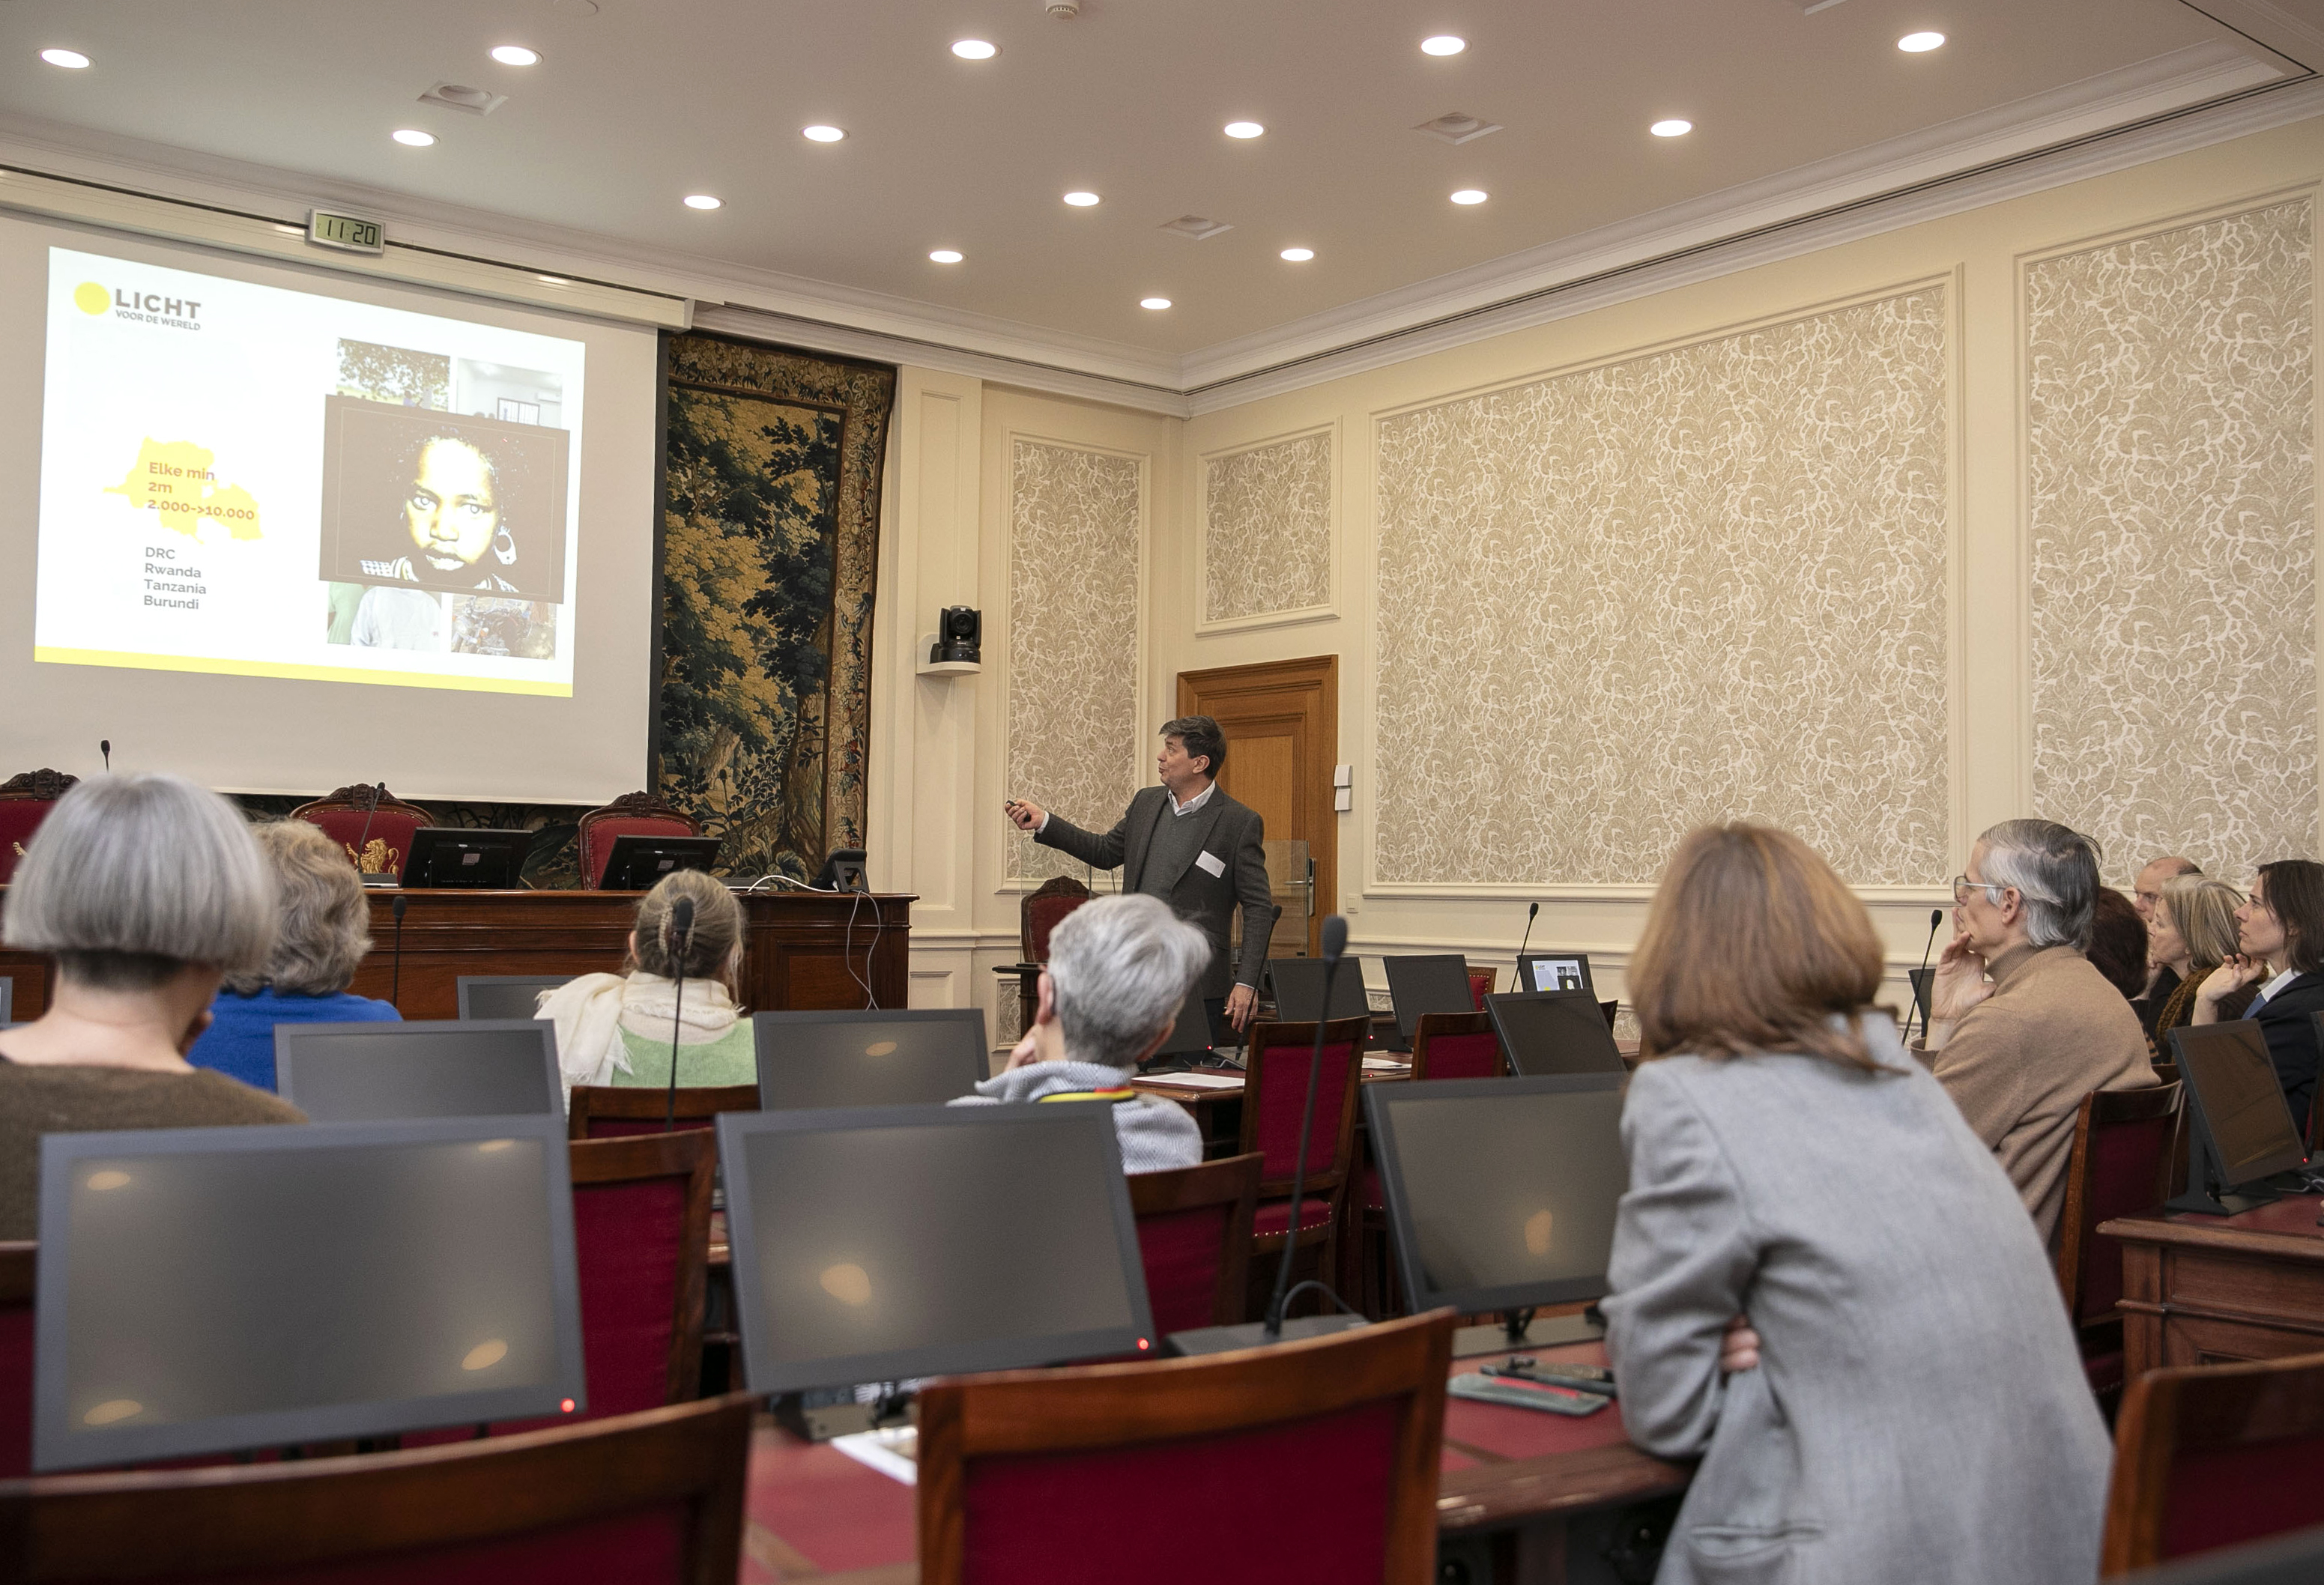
{"points": [[1905, 1401], [325, 932], [616, 1028], [2193, 931]]}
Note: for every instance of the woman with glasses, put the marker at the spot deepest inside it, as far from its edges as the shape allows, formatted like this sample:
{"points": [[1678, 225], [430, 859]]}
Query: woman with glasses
{"points": [[2281, 931], [2017, 1051]]}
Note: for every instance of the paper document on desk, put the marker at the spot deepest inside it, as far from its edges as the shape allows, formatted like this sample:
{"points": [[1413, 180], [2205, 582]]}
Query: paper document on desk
{"points": [[1200, 1080], [1385, 1065], [894, 1451]]}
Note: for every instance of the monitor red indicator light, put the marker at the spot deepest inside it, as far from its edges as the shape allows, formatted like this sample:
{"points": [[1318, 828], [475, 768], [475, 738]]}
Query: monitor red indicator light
{"points": [[1143, 1344], [567, 1406]]}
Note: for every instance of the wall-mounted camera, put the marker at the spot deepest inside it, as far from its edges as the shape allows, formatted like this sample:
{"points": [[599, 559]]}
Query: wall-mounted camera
{"points": [[960, 637]]}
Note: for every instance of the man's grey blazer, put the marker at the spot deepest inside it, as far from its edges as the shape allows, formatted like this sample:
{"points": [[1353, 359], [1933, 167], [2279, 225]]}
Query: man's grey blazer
{"points": [[1230, 833]]}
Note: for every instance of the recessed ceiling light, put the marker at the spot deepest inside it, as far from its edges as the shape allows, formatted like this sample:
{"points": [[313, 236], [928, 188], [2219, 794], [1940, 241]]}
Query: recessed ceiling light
{"points": [[411, 137], [1297, 255], [1156, 303], [1244, 129], [703, 201], [1469, 195], [1444, 44], [70, 60], [821, 134], [1081, 200], [1920, 44], [1673, 128], [553, 281], [515, 55], [945, 255], [974, 49]]}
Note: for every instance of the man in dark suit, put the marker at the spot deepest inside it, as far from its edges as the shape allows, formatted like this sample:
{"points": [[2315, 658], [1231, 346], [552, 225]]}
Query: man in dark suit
{"points": [[1188, 842]]}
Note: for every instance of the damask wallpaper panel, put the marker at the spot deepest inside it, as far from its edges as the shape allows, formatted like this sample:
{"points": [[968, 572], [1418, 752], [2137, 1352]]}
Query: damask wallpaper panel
{"points": [[2170, 492], [1701, 584], [1267, 531], [1076, 521]]}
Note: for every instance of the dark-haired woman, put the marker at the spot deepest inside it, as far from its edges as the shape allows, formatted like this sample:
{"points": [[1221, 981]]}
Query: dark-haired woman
{"points": [[1905, 1400], [2281, 930]]}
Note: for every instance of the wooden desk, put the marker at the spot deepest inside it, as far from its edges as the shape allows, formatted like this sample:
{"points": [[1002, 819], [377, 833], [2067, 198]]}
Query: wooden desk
{"points": [[2198, 1290], [1520, 1478], [797, 952]]}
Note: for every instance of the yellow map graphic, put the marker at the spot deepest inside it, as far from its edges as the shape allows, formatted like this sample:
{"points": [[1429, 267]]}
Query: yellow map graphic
{"points": [[174, 480]]}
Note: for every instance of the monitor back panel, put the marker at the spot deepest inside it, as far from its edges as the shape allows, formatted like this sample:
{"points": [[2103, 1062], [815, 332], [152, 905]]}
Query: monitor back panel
{"points": [[1547, 970], [206, 1290], [373, 1073], [2240, 1099], [1299, 989], [920, 1057], [1501, 1192], [1436, 983], [1548, 1032], [637, 861], [504, 996], [905, 1241], [1190, 1035]]}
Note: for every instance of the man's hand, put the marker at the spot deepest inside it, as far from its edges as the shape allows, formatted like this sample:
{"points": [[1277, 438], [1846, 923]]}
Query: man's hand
{"points": [[1028, 816], [1241, 1002], [1022, 1054], [1740, 1348], [1960, 981]]}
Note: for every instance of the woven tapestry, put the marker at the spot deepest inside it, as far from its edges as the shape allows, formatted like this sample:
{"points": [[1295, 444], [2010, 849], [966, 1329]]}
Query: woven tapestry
{"points": [[771, 527]]}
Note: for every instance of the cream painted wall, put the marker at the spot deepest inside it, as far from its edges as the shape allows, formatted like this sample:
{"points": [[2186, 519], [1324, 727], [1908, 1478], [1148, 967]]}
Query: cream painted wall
{"points": [[939, 770]]}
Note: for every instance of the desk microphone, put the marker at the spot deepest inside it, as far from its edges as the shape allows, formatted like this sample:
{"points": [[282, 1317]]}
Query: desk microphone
{"points": [[1531, 909], [681, 927], [104, 746], [1335, 944], [395, 991], [1936, 920]]}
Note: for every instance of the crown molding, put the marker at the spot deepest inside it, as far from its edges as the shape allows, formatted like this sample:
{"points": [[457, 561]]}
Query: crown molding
{"points": [[2186, 100]]}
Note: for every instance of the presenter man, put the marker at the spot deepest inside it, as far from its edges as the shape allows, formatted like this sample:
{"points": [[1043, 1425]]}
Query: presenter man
{"points": [[1188, 842]]}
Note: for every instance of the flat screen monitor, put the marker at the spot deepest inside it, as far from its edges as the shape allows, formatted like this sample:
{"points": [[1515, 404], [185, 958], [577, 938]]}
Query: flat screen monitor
{"points": [[1500, 1191], [504, 996], [1438, 983], [7, 998], [453, 856], [887, 1243], [370, 1073], [2240, 1128], [1190, 1034], [639, 860], [1555, 1032], [1545, 969], [869, 1059], [1299, 991], [208, 1290]]}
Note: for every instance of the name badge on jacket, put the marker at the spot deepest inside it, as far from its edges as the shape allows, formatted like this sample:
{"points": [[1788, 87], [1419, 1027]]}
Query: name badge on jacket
{"points": [[1212, 862]]}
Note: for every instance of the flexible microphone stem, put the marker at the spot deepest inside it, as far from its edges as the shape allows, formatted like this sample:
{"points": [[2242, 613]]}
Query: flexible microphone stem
{"points": [[374, 792], [1335, 942], [1531, 910], [681, 927], [1936, 920], [395, 992]]}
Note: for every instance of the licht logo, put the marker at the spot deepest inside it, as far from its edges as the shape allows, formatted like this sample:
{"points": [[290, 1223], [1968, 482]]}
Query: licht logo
{"points": [[149, 308]]}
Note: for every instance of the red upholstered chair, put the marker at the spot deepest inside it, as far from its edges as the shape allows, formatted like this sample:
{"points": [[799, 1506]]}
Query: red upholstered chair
{"points": [[1456, 1046], [1274, 1094], [637, 814], [1307, 1461], [1043, 910], [372, 824], [16, 1263], [612, 1112], [1193, 1235], [24, 802], [2121, 1163], [1480, 986], [653, 1499], [641, 1238], [2214, 1455]]}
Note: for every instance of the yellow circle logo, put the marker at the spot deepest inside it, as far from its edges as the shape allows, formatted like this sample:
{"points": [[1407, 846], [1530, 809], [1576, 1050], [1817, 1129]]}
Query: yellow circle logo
{"points": [[90, 298]]}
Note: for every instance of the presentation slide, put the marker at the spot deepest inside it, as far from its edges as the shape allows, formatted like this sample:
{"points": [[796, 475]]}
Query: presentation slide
{"points": [[254, 481]]}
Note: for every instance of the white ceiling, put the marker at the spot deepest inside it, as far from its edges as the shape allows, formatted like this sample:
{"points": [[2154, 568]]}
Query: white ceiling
{"points": [[647, 100]]}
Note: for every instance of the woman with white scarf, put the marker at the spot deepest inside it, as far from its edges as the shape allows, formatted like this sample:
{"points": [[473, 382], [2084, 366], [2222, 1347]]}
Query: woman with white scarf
{"points": [[616, 1028]]}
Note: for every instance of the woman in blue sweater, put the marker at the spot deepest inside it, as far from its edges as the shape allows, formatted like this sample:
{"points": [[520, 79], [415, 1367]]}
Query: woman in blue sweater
{"points": [[326, 931]]}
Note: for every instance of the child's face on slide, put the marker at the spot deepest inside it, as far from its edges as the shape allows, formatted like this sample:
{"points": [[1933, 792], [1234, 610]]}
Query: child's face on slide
{"points": [[452, 511]]}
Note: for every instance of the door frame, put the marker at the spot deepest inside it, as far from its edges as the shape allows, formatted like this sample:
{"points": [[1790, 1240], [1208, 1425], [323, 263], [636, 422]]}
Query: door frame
{"points": [[1308, 687]]}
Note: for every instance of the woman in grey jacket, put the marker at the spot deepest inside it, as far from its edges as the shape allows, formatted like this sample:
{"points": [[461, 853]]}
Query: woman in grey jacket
{"points": [[1905, 1400]]}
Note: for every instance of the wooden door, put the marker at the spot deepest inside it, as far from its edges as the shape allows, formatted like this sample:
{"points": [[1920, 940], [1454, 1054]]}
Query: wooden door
{"points": [[1282, 726]]}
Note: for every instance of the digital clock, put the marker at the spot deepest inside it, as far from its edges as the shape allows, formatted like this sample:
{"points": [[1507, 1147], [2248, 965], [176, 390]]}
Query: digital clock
{"points": [[348, 233]]}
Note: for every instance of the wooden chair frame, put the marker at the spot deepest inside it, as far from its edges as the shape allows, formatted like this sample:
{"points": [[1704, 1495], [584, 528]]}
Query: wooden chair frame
{"points": [[1434, 1026], [2195, 1406], [639, 1103], [692, 1154], [2099, 1107], [1325, 1177], [1103, 1406], [1054, 886], [1233, 1180], [19, 1260], [323, 1512]]}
